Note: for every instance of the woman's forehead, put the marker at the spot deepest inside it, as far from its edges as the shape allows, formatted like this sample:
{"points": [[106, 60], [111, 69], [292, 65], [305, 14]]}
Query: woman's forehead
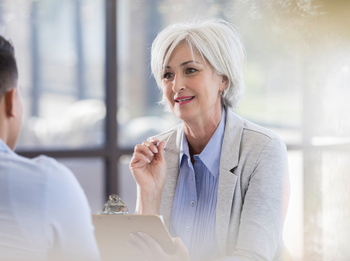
{"points": [[184, 53]]}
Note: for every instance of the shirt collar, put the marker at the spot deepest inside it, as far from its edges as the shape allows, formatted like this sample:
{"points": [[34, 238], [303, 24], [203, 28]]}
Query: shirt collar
{"points": [[211, 154], [3, 146]]}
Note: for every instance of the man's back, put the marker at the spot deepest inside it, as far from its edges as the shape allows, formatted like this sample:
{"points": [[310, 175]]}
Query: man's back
{"points": [[44, 213]]}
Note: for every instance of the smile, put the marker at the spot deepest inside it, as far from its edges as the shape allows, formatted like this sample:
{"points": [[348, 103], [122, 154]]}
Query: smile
{"points": [[184, 99]]}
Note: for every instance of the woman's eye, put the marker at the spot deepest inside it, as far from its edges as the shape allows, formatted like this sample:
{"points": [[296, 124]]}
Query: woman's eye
{"points": [[167, 75], [190, 70]]}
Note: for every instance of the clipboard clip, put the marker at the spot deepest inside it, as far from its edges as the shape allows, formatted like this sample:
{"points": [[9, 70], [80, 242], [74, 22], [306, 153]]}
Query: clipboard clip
{"points": [[114, 206]]}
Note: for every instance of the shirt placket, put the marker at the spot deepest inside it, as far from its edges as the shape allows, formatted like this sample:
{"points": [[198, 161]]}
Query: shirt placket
{"points": [[191, 205]]}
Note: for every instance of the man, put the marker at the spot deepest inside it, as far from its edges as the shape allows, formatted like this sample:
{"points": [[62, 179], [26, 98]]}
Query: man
{"points": [[44, 213]]}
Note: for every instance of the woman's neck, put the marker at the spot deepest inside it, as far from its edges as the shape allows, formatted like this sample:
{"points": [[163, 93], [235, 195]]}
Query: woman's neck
{"points": [[200, 131]]}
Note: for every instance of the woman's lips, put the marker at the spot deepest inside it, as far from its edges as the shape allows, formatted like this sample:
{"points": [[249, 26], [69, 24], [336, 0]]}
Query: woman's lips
{"points": [[183, 100]]}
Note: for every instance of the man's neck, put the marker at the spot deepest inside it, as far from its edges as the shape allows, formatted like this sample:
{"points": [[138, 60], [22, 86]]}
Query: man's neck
{"points": [[4, 127], [3, 132]]}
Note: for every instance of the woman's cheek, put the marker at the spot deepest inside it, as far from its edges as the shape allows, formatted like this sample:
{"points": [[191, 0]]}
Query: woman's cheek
{"points": [[168, 93]]}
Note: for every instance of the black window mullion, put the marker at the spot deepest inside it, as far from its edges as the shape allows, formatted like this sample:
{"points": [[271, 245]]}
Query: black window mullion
{"points": [[111, 97]]}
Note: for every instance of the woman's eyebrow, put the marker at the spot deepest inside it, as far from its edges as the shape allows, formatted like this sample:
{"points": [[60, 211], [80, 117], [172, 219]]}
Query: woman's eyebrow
{"points": [[184, 63]]}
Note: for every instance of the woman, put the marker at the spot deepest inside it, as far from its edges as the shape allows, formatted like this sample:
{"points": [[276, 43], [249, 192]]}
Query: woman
{"points": [[220, 181]]}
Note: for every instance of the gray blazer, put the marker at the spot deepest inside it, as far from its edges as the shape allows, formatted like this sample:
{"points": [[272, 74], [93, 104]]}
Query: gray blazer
{"points": [[253, 191]]}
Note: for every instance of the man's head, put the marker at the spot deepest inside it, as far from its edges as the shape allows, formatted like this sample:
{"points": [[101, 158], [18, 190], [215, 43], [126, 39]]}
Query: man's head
{"points": [[11, 108]]}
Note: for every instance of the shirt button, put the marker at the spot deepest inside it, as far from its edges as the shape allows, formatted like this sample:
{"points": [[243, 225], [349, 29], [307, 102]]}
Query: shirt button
{"points": [[188, 228], [193, 202]]}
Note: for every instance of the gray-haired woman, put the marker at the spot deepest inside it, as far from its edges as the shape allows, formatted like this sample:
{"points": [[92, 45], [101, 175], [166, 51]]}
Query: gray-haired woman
{"points": [[220, 181]]}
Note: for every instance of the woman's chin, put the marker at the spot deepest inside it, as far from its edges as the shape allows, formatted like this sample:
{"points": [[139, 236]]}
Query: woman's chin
{"points": [[185, 116]]}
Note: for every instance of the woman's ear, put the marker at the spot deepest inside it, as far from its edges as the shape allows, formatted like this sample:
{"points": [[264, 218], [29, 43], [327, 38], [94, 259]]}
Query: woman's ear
{"points": [[225, 81]]}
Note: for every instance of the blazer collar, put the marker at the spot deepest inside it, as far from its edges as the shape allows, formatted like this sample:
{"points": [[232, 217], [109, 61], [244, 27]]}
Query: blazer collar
{"points": [[172, 154], [4, 147], [227, 179], [232, 140]]}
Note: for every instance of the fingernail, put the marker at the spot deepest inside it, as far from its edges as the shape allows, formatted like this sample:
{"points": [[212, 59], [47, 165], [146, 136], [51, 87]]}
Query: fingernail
{"points": [[149, 161], [140, 234], [151, 154], [132, 236], [155, 150]]}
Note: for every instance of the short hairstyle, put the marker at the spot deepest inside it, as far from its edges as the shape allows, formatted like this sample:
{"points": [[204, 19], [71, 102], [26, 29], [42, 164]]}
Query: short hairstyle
{"points": [[216, 40], [8, 66]]}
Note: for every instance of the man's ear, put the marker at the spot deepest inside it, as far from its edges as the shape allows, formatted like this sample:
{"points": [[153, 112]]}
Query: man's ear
{"points": [[9, 99]]}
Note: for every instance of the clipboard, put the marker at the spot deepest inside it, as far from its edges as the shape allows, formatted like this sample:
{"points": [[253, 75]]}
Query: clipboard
{"points": [[113, 231]]}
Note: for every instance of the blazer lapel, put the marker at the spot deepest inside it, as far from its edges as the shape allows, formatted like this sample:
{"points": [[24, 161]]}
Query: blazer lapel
{"points": [[172, 153], [227, 179]]}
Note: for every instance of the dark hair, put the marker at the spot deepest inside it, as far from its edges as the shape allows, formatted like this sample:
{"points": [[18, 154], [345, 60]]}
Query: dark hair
{"points": [[8, 66]]}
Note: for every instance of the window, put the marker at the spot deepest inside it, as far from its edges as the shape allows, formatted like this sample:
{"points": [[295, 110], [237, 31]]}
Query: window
{"points": [[89, 96]]}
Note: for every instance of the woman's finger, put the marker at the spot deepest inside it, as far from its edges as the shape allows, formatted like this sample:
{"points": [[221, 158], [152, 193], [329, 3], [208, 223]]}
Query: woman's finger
{"points": [[143, 246], [151, 145], [136, 251], [155, 247], [181, 250], [144, 149], [140, 157]]}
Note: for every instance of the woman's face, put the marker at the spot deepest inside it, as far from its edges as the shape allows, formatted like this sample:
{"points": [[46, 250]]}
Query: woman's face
{"points": [[191, 87]]}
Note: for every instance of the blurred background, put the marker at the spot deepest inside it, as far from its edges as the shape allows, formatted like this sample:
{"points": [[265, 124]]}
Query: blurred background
{"points": [[84, 68]]}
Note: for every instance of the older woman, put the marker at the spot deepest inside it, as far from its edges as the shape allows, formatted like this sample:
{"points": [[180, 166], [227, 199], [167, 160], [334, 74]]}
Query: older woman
{"points": [[220, 181]]}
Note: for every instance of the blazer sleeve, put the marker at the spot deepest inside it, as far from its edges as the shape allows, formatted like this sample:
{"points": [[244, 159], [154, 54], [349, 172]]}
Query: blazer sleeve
{"points": [[264, 208]]}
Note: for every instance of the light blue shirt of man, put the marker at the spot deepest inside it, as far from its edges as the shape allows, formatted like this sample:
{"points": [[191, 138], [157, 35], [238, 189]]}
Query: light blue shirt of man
{"points": [[194, 209], [44, 213]]}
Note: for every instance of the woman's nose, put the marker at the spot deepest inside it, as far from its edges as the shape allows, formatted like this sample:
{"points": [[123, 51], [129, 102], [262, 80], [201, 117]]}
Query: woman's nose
{"points": [[178, 84]]}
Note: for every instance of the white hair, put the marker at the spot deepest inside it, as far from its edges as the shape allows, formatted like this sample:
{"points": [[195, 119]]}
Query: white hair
{"points": [[216, 40]]}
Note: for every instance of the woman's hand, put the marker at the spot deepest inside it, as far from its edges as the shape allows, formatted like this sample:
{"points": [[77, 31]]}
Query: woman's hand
{"points": [[148, 167], [145, 247]]}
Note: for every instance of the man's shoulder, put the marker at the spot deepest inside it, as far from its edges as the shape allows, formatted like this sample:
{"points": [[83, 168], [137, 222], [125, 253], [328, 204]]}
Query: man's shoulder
{"points": [[44, 161], [55, 172], [39, 167], [47, 177]]}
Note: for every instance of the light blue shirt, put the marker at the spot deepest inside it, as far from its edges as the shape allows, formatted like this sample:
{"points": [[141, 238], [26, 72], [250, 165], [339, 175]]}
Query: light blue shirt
{"points": [[44, 213], [193, 213]]}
